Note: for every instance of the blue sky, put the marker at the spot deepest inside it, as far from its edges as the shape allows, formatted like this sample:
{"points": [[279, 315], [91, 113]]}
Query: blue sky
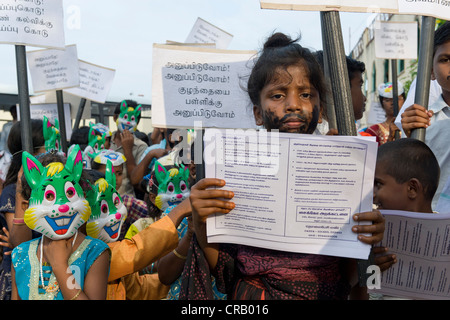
{"points": [[120, 34]]}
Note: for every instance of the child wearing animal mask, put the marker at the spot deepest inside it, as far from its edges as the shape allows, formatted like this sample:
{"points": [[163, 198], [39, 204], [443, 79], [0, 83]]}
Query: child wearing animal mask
{"points": [[63, 263], [127, 116]]}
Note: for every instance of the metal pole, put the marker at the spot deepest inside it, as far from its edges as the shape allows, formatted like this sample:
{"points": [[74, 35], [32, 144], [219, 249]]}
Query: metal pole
{"points": [[62, 120], [330, 112], [199, 146], [24, 100], [424, 69], [79, 113], [340, 85], [101, 113], [395, 92]]}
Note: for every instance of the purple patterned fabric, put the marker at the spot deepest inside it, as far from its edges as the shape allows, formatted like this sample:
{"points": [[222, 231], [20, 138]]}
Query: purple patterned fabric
{"points": [[245, 272]]}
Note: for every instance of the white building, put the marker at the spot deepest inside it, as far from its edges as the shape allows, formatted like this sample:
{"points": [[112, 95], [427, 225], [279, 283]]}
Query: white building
{"points": [[379, 70]]}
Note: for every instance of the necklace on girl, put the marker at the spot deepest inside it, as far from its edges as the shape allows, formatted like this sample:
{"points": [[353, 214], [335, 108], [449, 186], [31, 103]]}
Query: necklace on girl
{"points": [[55, 286]]}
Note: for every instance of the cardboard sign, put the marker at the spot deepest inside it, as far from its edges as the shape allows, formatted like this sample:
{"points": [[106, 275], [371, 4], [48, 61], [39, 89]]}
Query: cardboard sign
{"points": [[35, 23], [54, 69], [205, 32], [434, 8], [50, 110], [193, 84], [376, 113], [396, 40], [382, 6], [95, 82]]}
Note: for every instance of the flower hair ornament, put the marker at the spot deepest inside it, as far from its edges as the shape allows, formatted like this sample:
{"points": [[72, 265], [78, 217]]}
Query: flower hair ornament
{"points": [[108, 211], [57, 207], [128, 116]]}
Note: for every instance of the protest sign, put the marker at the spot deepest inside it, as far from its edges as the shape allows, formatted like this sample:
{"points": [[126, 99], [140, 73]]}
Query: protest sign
{"points": [[205, 32], [50, 110], [376, 113], [396, 40], [33, 23], [194, 84], [382, 6], [54, 69], [95, 82], [292, 192], [421, 244], [433, 8], [201, 45]]}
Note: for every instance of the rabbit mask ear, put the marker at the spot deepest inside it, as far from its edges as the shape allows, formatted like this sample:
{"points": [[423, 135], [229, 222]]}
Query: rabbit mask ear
{"points": [[74, 163], [32, 169], [110, 177]]}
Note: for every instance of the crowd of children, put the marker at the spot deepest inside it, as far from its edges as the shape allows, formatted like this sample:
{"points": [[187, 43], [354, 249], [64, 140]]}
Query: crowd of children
{"points": [[120, 217]]}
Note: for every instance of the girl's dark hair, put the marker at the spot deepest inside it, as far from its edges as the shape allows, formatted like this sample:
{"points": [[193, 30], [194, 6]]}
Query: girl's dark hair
{"points": [[280, 51], [15, 147], [80, 136], [409, 158], [441, 36]]}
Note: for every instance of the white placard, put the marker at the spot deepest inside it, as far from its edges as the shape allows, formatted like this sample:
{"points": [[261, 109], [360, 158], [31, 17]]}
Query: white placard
{"points": [[434, 8], [38, 23], [54, 69], [201, 45], [376, 113], [205, 32], [193, 84], [382, 6], [95, 82], [396, 40], [50, 110], [421, 243], [293, 192]]}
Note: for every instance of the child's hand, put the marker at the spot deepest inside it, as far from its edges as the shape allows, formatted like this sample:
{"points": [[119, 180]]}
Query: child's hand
{"points": [[383, 261], [332, 132], [392, 130], [57, 252], [6, 242], [376, 228], [206, 202], [127, 140], [415, 117]]}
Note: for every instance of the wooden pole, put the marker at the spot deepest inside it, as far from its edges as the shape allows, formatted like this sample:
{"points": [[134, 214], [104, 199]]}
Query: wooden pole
{"points": [[332, 34]]}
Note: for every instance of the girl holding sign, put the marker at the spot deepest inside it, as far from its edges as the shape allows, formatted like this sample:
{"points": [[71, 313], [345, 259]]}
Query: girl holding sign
{"points": [[287, 90]]}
